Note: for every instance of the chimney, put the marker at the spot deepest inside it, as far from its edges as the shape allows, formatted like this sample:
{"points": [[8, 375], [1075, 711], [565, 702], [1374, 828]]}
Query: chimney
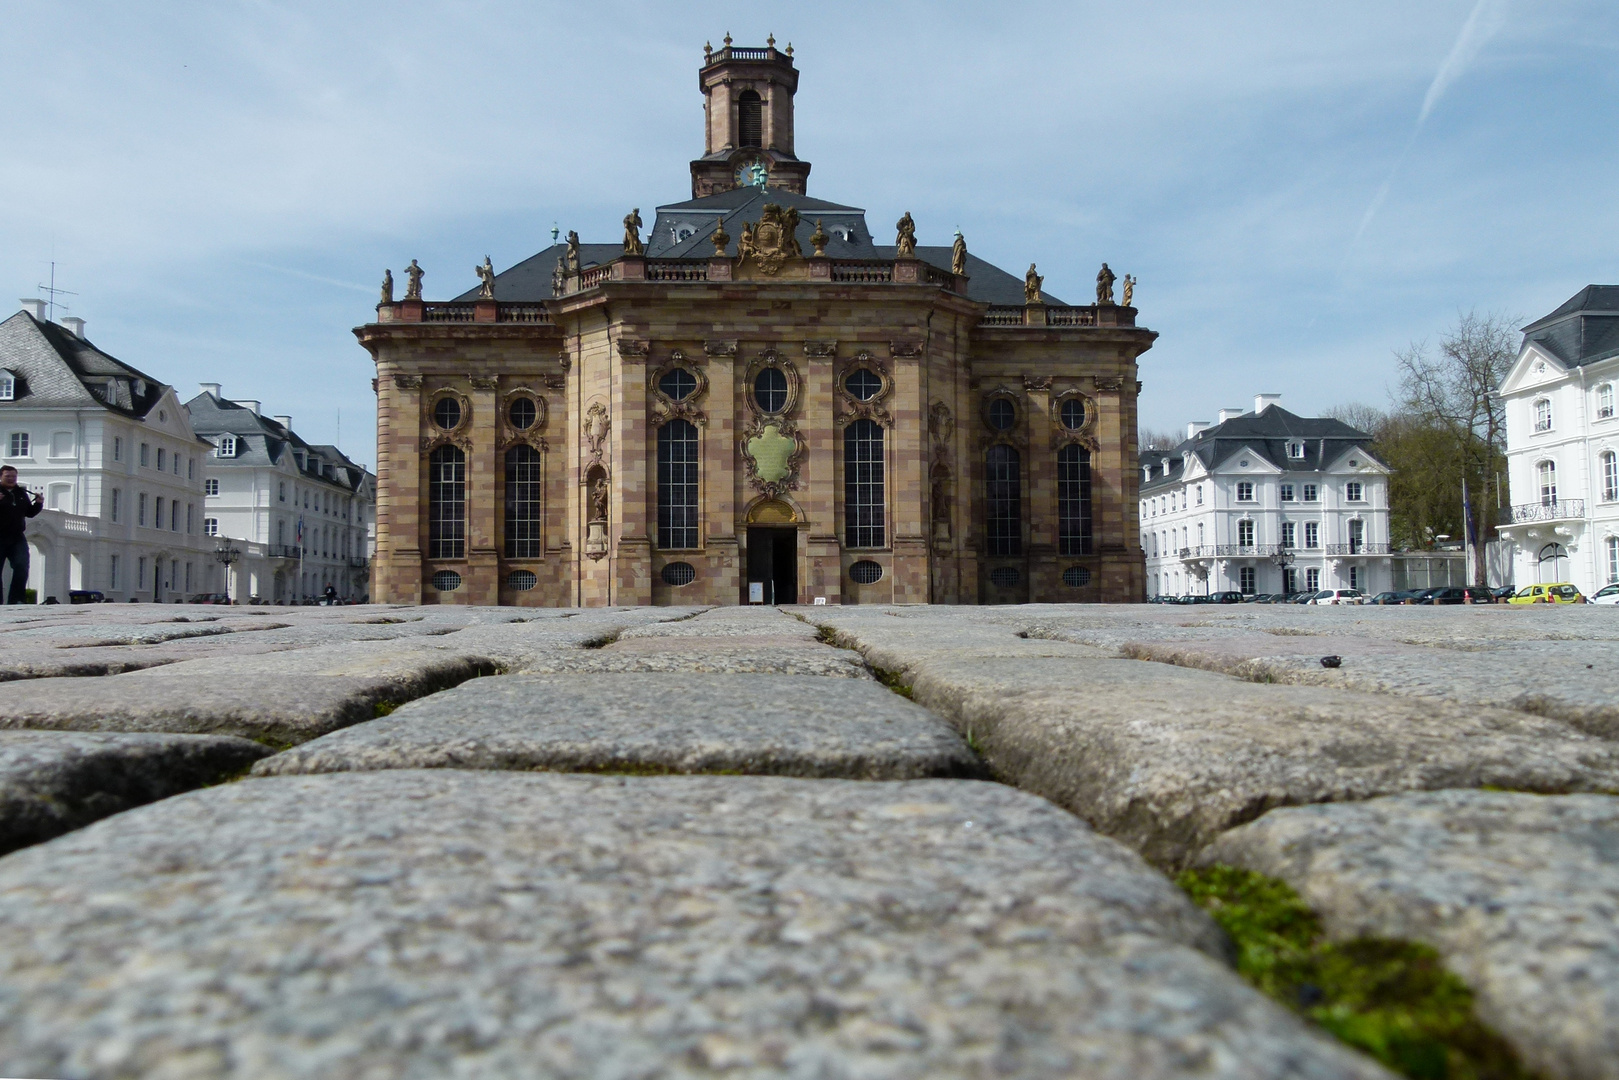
{"points": [[76, 325], [211, 389], [253, 406], [1227, 414], [1196, 426], [36, 308], [1265, 401], [284, 421]]}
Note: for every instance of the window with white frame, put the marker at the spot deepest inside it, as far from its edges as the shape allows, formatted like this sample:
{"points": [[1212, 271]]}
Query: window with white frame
{"points": [[1354, 492], [1245, 580], [1295, 450], [282, 491], [1245, 491], [112, 572], [1546, 477], [1543, 414], [1312, 579], [19, 444], [191, 468], [140, 512], [1613, 558], [1354, 577], [1200, 494], [146, 454], [1245, 533], [112, 505], [1289, 534], [117, 448], [210, 526], [191, 518], [227, 446], [210, 486], [1312, 493], [1286, 491], [1605, 401], [8, 386], [1312, 534], [160, 459], [1610, 476]]}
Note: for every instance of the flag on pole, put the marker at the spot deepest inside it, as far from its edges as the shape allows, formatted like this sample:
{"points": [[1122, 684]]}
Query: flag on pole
{"points": [[300, 531]]}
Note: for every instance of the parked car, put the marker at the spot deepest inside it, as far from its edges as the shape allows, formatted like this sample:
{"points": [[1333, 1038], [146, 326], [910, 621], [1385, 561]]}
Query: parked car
{"points": [[1503, 594], [1390, 596], [1226, 598], [1337, 596], [86, 596], [209, 598], [1557, 592], [1608, 594], [1271, 598]]}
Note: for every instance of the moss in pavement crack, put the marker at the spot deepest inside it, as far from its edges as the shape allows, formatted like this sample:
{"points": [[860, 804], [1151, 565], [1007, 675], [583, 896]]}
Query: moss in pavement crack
{"points": [[1392, 999]]}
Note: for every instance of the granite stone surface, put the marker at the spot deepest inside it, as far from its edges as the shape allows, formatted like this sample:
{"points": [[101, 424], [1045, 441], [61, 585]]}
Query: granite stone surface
{"points": [[786, 726], [1519, 893], [447, 923], [52, 782]]}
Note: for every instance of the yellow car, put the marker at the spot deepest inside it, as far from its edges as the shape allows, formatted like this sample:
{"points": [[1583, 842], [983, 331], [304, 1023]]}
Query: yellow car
{"points": [[1555, 593]]}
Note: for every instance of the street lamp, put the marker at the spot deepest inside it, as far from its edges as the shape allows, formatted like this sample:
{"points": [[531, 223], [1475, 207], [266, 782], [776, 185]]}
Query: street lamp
{"points": [[227, 553]]}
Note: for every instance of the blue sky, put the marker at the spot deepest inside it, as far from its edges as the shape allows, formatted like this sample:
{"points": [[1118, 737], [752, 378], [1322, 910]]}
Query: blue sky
{"points": [[222, 183]]}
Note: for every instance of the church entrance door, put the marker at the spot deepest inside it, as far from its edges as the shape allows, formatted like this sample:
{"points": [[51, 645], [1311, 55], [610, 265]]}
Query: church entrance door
{"points": [[773, 563]]}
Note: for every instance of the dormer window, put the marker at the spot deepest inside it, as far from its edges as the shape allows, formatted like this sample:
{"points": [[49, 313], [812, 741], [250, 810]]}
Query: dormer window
{"points": [[8, 386], [227, 446], [1543, 414], [1604, 400], [1295, 450]]}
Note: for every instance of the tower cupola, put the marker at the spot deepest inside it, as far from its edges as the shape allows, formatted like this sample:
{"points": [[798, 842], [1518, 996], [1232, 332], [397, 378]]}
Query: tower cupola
{"points": [[748, 120]]}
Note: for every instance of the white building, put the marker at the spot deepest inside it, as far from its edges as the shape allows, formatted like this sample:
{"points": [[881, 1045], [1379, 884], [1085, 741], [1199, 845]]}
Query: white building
{"points": [[1563, 445], [1265, 501], [114, 452], [304, 511]]}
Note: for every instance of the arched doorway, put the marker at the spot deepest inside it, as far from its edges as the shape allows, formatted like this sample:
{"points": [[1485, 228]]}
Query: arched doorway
{"points": [[1553, 565]]}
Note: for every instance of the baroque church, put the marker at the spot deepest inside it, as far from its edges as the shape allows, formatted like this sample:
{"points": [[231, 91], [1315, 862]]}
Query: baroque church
{"points": [[755, 402]]}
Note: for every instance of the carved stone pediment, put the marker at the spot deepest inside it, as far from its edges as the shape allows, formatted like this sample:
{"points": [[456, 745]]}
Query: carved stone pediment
{"points": [[908, 349], [631, 349], [771, 242], [820, 349], [1085, 433], [664, 408], [432, 442], [481, 382], [408, 382], [720, 348], [875, 407]]}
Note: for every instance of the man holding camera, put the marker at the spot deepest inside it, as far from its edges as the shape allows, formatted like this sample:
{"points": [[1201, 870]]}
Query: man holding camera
{"points": [[15, 509]]}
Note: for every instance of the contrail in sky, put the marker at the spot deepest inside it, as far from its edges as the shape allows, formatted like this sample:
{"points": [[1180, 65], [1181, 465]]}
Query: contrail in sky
{"points": [[1486, 18], [307, 276]]}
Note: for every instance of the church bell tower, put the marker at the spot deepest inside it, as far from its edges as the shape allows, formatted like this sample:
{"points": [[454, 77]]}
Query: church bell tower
{"points": [[748, 121]]}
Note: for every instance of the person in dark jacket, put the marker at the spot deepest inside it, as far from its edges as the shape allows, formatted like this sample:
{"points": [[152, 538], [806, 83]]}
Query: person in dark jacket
{"points": [[15, 510]]}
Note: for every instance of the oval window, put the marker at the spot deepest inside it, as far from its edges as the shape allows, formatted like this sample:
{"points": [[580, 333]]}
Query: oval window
{"points": [[522, 580], [1002, 415], [863, 385], [679, 573], [1072, 414], [865, 572], [1076, 576], [770, 390], [447, 413], [1005, 576], [446, 581], [522, 414], [678, 384]]}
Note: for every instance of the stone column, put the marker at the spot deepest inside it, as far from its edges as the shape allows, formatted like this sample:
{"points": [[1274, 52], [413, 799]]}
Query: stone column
{"points": [[1040, 481], [484, 472], [908, 485], [821, 567], [632, 549], [721, 568], [400, 523]]}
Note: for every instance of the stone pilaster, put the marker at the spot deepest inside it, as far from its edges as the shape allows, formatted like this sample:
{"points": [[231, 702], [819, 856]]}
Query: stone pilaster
{"points": [[485, 471]]}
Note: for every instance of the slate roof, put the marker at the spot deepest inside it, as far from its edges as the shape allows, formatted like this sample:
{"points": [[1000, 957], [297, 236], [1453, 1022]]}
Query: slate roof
{"points": [[57, 369], [263, 441], [682, 230], [1582, 331], [1266, 436]]}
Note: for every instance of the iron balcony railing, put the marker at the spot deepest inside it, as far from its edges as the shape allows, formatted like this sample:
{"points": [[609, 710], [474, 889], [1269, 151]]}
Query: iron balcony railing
{"points": [[1552, 510], [1362, 548]]}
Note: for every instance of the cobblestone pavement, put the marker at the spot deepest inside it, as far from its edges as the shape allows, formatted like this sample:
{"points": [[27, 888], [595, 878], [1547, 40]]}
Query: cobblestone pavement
{"points": [[669, 842]]}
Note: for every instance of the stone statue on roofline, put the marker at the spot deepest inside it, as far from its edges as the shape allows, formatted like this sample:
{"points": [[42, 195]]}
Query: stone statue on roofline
{"points": [[632, 233], [1031, 286], [1129, 290], [573, 252], [486, 279], [413, 281], [720, 238], [905, 243], [1104, 285], [818, 240], [958, 255], [387, 287], [559, 278]]}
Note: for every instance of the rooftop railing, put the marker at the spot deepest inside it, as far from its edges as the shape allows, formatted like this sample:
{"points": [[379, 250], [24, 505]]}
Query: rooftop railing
{"points": [[1545, 510]]}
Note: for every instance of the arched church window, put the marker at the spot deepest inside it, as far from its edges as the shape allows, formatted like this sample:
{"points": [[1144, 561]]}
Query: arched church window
{"points": [[1073, 414], [1003, 500], [677, 485], [522, 413], [1074, 500], [863, 384], [750, 115], [524, 477], [447, 503], [770, 390], [1002, 414], [863, 496], [447, 413]]}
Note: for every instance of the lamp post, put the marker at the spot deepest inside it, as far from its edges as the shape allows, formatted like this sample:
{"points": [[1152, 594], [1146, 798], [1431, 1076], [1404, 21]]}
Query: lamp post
{"points": [[1283, 559], [227, 553]]}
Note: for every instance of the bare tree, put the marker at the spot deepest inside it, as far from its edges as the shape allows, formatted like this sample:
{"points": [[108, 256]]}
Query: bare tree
{"points": [[1454, 390], [1360, 416], [1148, 439]]}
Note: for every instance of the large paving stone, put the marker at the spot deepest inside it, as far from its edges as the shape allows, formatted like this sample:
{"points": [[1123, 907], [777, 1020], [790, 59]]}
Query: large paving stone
{"points": [[1519, 893], [1166, 758], [52, 782], [783, 726], [442, 923]]}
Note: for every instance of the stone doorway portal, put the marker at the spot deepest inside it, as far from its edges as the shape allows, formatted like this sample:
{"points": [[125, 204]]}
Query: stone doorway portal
{"points": [[773, 563]]}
